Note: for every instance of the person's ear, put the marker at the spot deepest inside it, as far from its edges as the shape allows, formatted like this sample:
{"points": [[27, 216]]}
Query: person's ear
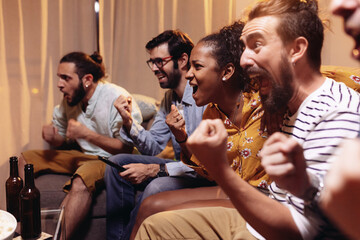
{"points": [[228, 72], [183, 61], [298, 49], [87, 80]]}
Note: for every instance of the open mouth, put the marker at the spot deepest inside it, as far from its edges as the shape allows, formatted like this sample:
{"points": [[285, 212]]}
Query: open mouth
{"points": [[254, 82], [356, 50], [355, 34], [259, 78], [159, 75], [352, 31], [260, 82], [67, 97], [195, 88]]}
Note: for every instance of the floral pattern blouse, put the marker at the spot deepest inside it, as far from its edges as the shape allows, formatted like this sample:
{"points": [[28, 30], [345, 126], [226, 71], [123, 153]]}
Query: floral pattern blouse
{"points": [[243, 144]]}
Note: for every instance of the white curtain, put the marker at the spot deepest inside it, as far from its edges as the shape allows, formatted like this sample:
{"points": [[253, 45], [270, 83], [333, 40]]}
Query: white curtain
{"points": [[35, 34], [127, 25]]}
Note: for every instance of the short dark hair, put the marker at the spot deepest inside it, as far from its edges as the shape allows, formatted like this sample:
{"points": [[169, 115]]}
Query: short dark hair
{"points": [[178, 43], [297, 18], [86, 64], [228, 48]]}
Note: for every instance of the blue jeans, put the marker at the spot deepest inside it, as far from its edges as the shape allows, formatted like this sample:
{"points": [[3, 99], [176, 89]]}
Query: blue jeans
{"points": [[121, 205]]}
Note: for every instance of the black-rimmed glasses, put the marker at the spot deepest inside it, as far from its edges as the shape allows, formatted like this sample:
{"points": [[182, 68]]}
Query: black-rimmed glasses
{"points": [[159, 62]]}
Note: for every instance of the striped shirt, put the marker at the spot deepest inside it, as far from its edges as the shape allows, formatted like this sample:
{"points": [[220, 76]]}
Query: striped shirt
{"points": [[323, 120]]}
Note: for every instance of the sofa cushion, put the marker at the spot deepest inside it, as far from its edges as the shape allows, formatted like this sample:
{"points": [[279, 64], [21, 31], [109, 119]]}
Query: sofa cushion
{"points": [[348, 75], [148, 106]]}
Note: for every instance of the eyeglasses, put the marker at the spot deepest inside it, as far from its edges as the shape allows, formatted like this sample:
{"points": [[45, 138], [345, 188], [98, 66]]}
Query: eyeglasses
{"points": [[159, 62]]}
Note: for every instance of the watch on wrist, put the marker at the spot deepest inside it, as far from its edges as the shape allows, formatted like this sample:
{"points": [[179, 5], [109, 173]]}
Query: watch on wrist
{"points": [[162, 172], [186, 137], [310, 194]]}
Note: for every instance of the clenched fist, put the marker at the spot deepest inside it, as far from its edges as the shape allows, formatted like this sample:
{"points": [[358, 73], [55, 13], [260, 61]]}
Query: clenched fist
{"points": [[176, 123], [76, 130], [124, 107], [283, 159], [208, 143], [49, 133]]}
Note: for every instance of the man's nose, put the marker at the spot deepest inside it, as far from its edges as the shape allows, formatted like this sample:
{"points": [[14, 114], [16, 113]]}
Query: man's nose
{"points": [[60, 84], [154, 68], [246, 60], [189, 74]]}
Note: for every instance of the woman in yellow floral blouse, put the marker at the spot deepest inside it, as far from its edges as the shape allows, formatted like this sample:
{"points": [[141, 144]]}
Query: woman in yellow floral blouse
{"points": [[245, 141], [217, 79]]}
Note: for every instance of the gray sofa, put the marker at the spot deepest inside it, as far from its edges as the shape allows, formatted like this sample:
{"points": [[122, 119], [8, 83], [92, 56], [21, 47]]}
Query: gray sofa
{"points": [[50, 185]]}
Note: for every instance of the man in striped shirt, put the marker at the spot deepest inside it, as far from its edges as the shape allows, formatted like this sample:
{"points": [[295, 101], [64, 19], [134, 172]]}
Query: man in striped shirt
{"points": [[283, 40]]}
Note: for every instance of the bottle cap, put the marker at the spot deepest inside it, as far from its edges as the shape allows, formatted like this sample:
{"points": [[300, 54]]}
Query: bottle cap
{"points": [[29, 166]]}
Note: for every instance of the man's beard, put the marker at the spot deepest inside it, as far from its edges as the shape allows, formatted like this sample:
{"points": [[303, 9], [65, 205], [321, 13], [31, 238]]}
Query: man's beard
{"points": [[173, 79], [280, 93], [78, 95]]}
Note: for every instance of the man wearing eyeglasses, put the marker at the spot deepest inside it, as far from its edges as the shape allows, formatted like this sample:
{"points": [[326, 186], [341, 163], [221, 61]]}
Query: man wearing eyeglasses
{"points": [[177, 118]]}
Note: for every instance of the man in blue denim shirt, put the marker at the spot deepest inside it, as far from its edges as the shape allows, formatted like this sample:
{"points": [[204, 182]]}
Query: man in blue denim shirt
{"points": [[177, 118]]}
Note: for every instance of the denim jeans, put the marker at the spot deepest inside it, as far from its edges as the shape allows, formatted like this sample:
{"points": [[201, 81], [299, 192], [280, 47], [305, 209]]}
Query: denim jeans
{"points": [[121, 205]]}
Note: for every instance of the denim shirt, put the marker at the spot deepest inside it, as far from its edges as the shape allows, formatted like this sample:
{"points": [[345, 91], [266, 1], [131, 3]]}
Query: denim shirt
{"points": [[152, 142]]}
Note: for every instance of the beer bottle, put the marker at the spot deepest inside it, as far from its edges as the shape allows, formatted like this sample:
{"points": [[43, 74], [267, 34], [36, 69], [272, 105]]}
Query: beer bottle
{"points": [[13, 185], [30, 206]]}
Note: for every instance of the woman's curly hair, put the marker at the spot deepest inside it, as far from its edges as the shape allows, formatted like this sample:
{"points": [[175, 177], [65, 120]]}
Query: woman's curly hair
{"points": [[227, 48]]}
